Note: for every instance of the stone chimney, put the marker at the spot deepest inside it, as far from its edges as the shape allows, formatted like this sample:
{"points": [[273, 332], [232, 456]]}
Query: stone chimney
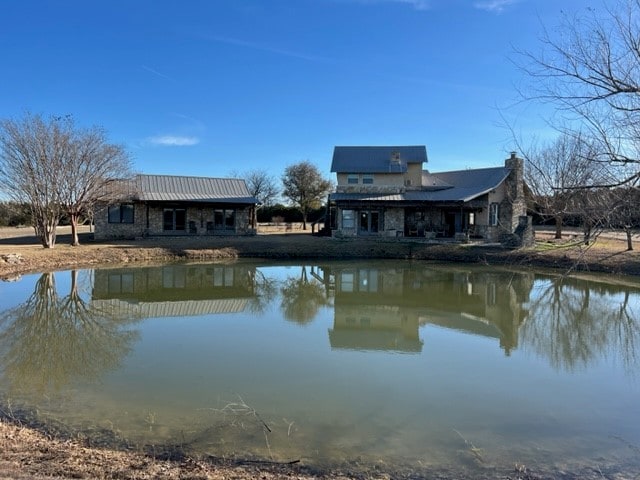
{"points": [[516, 177], [514, 205]]}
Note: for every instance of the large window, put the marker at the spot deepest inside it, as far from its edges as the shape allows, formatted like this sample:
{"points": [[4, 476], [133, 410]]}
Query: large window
{"points": [[352, 178], [120, 283], [493, 214], [224, 219], [174, 219], [348, 219], [223, 277], [121, 213], [174, 277]]}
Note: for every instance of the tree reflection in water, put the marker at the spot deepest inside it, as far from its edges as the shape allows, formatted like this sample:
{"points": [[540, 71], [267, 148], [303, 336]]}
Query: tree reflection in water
{"points": [[265, 290], [574, 322], [50, 340], [302, 298]]}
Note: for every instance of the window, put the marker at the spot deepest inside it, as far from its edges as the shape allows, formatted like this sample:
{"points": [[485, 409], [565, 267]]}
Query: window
{"points": [[352, 178], [367, 178], [229, 219], [224, 219], [347, 280], [174, 219], [348, 219], [491, 294], [121, 213], [471, 220], [223, 277], [493, 214], [174, 277], [120, 283]]}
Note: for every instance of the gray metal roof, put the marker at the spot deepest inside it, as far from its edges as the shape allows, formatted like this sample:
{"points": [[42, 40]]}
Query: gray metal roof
{"points": [[465, 185], [470, 184], [192, 189], [372, 159], [172, 309]]}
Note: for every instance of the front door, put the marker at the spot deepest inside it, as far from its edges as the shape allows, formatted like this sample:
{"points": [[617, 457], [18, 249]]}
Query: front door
{"points": [[453, 223], [369, 222]]}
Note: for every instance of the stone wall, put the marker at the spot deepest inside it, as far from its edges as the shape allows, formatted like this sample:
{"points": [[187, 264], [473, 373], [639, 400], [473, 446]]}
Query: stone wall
{"points": [[148, 221], [105, 230], [394, 220]]}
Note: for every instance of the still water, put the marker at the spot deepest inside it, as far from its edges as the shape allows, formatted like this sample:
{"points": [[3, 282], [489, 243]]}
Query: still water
{"points": [[377, 363]]}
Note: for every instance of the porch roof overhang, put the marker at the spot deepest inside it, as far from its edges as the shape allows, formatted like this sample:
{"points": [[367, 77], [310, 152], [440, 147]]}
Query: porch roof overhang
{"points": [[453, 195]]}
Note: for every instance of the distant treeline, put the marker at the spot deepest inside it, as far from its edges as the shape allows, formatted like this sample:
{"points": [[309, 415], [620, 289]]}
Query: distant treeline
{"points": [[13, 214]]}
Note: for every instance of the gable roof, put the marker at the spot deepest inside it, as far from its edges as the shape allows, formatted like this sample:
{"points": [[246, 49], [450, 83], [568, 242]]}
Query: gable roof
{"points": [[453, 186], [372, 159], [193, 189], [470, 184]]}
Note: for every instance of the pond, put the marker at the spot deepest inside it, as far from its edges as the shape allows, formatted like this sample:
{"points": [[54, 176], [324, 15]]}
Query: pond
{"points": [[378, 363]]}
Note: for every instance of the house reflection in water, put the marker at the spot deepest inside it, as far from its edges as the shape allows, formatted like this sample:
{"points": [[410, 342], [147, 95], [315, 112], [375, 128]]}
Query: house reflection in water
{"points": [[175, 290], [383, 308], [375, 308]]}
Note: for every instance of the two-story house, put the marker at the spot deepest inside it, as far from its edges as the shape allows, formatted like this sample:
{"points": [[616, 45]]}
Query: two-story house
{"points": [[384, 190]]}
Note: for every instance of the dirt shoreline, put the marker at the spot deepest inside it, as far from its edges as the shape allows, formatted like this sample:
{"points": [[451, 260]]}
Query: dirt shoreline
{"points": [[22, 254], [29, 452]]}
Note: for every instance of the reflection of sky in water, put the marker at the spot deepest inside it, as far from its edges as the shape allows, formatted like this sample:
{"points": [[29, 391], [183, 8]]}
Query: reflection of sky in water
{"points": [[396, 364]]}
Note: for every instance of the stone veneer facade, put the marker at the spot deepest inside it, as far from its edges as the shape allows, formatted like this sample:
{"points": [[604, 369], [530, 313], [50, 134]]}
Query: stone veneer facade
{"points": [[148, 221], [509, 196]]}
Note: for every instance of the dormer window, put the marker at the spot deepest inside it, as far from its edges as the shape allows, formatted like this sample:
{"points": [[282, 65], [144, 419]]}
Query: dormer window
{"points": [[367, 178], [352, 179]]}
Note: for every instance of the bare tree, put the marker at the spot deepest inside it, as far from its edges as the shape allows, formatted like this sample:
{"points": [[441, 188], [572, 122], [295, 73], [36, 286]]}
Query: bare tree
{"points": [[572, 323], [556, 172], [302, 298], [56, 168], [91, 170], [264, 187], [50, 340], [622, 205], [305, 187], [590, 70], [32, 153]]}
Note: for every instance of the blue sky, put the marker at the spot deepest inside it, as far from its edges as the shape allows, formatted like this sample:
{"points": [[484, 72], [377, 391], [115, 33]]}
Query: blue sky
{"points": [[210, 87]]}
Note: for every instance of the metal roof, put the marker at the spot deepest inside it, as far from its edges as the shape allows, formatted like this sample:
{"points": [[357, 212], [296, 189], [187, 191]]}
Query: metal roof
{"points": [[193, 189], [465, 185], [172, 309], [376, 159]]}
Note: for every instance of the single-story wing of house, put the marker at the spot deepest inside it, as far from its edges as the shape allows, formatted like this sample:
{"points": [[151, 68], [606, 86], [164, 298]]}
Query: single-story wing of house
{"points": [[157, 205], [384, 191]]}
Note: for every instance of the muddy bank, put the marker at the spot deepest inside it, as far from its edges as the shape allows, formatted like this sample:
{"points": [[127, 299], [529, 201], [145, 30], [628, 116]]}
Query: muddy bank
{"points": [[48, 452]]}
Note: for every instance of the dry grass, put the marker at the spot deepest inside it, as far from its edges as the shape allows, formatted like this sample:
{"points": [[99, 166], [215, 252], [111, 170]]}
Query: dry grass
{"points": [[27, 454]]}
